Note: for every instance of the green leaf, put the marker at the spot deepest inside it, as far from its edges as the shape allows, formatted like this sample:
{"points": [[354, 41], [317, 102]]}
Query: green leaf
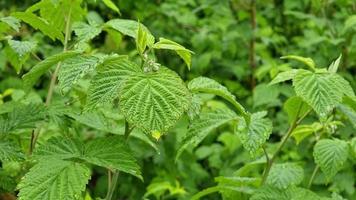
{"points": [[59, 148], [285, 175], [335, 65], [12, 22], [293, 106], [349, 112], [203, 125], [22, 47], [39, 23], [330, 155], [207, 85], [284, 76], [184, 53], [85, 32], [303, 131], [54, 180], [112, 153], [154, 101], [109, 152], [350, 24], [130, 28], [308, 61], [112, 6], [322, 91], [23, 117], [141, 40], [254, 133], [106, 84], [10, 151], [74, 69], [292, 193], [42, 67]]}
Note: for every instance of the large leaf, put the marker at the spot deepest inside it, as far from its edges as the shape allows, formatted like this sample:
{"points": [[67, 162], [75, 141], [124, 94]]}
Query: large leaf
{"points": [[330, 155], [105, 85], [10, 151], [39, 23], [322, 91], [42, 67], [74, 69], [203, 125], [154, 101], [54, 180], [108, 152], [184, 53], [285, 175], [207, 85], [254, 133], [112, 153]]}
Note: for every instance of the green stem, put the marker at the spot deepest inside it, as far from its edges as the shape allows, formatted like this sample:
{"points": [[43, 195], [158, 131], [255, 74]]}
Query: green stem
{"points": [[283, 142], [113, 176], [313, 176]]}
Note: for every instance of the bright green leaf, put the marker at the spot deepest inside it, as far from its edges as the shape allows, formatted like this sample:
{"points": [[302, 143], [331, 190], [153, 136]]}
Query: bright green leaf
{"points": [[53, 180], [111, 5], [308, 61], [330, 155], [285, 175], [254, 133], [284, 76], [184, 53], [154, 101]]}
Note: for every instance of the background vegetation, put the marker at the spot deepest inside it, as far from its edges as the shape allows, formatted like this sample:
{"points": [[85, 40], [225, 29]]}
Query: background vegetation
{"points": [[238, 43]]}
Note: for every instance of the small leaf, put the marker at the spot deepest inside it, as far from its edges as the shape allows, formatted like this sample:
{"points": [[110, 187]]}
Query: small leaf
{"points": [[284, 175], [154, 101], [308, 61], [42, 67], [255, 133], [12, 22], [293, 106], [303, 131], [130, 28], [85, 32], [75, 68], [284, 76], [335, 65], [53, 180], [141, 39], [330, 155], [112, 6], [207, 85], [184, 53], [22, 47], [203, 125]]}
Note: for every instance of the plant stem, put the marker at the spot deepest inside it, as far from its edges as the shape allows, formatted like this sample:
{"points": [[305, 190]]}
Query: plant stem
{"points": [[112, 183], [252, 59], [283, 142], [113, 176], [313, 176], [37, 131]]}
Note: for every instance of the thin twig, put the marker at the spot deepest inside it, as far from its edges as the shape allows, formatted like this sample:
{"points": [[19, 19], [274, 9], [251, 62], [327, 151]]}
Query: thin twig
{"points": [[313, 176]]}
